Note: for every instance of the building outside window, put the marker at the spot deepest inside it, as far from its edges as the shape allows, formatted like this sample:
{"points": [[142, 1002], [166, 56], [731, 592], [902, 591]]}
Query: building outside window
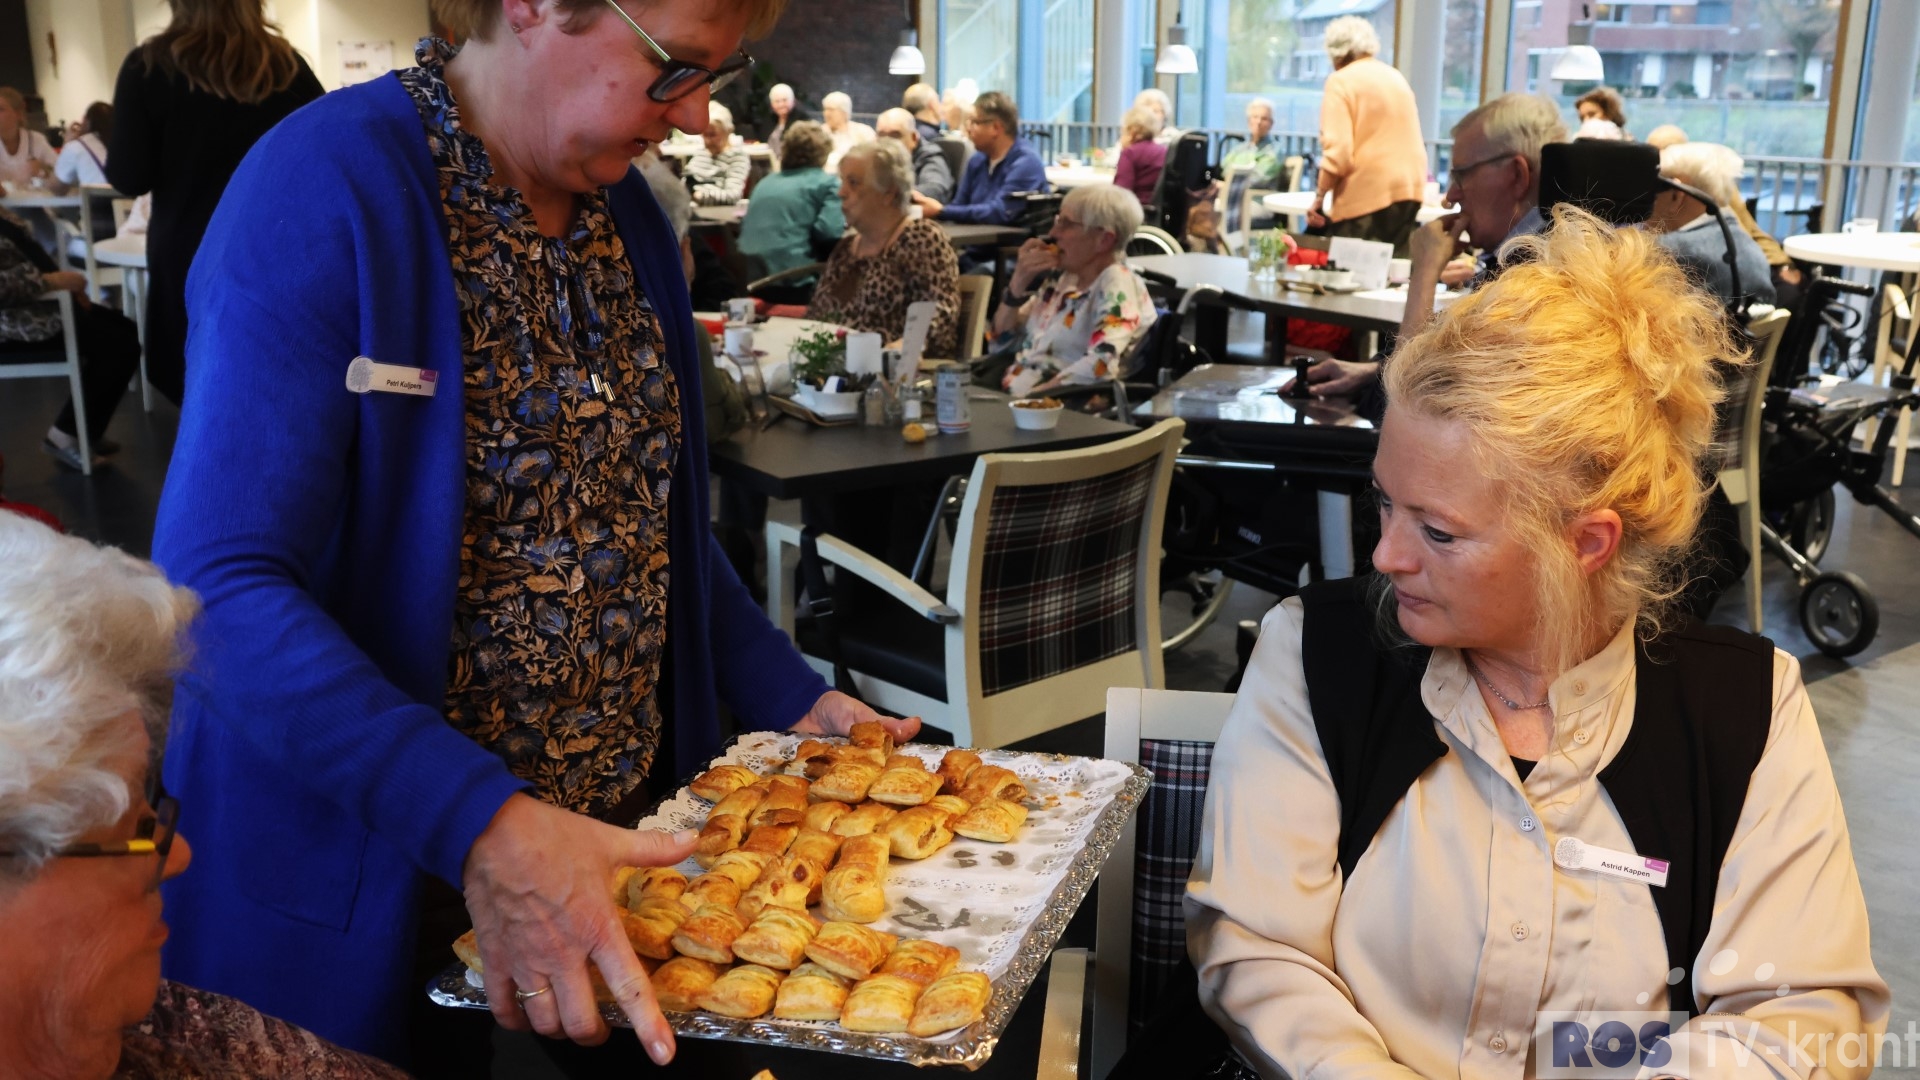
{"points": [[1275, 50], [1039, 51]]}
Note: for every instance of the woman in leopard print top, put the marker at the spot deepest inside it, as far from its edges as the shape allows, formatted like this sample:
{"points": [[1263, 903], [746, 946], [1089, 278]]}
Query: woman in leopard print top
{"points": [[887, 262]]}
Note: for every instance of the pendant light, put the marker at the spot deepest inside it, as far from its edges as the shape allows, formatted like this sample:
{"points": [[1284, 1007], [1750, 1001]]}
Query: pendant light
{"points": [[1177, 57], [1580, 61], [907, 59]]}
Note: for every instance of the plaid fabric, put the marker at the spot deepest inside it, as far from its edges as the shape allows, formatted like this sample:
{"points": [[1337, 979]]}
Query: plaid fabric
{"points": [[1167, 837], [1058, 576]]}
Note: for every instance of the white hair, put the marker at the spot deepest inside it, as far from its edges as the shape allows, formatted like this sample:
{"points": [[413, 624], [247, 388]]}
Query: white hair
{"points": [[718, 114], [1155, 98], [1141, 118], [86, 634], [1106, 206], [1351, 37], [889, 168], [1600, 127], [780, 90], [1261, 103], [1711, 167], [1516, 123], [838, 100]]}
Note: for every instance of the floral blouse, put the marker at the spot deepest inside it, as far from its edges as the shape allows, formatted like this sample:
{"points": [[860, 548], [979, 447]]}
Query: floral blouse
{"points": [[1081, 335], [573, 426], [197, 1035], [873, 293]]}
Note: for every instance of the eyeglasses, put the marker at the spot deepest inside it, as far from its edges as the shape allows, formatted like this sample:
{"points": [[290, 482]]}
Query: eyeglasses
{"points": [[1459, 172], [678, 78], [152, 836]]}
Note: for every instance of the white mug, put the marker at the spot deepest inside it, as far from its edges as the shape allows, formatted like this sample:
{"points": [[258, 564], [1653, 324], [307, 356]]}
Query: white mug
{"points": [[1862, 225], [740, 342], [1399, 270], [740, 310]]}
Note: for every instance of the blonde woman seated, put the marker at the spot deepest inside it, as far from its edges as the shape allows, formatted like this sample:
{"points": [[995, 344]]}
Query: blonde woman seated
{"points": [[1504, 778], [887, 262], [91, 641], [1073, 308]]}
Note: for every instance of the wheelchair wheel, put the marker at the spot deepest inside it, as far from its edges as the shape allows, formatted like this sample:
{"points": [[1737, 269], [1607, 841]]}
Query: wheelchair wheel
{"points": [[1838, 614], [1809, 526], [1205, 593]]}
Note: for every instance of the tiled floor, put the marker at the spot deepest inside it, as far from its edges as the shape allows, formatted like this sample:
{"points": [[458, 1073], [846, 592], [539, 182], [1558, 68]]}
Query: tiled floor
{"points": [[1869, 708]]}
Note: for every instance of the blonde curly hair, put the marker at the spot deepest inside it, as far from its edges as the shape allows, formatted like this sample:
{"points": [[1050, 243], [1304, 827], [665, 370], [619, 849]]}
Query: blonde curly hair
{"points": [[1586, 378]]}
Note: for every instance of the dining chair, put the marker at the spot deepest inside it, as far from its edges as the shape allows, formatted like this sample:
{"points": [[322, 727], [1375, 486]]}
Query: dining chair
{"points": [[1153, 240], [1889, 354], [1740, 446], [61, 361], [1236, 209], [1053, 595], [956, 150], [1140, 934], [976, 292]]}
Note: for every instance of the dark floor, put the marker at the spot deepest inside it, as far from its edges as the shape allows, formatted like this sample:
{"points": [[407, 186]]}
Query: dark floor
{"points": [[1869, 707]]}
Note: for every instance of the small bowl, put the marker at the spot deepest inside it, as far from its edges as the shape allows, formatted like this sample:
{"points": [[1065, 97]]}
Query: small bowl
{"points": [[1040, 415], [1336, 279], [829, 406]]}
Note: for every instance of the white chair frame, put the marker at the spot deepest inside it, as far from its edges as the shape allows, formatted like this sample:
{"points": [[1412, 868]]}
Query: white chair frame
{"points": [[974, 718], [976, 290], [70, 370], [1740, 481], [1887, 360]]}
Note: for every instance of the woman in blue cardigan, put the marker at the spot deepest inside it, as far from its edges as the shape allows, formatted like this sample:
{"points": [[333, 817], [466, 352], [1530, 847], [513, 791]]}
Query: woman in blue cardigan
{"points": [[442, 486]]}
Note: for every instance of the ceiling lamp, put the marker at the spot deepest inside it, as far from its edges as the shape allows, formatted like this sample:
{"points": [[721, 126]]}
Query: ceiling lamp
{"points": [[1177, 58], [907, 59], [1579, 63]]}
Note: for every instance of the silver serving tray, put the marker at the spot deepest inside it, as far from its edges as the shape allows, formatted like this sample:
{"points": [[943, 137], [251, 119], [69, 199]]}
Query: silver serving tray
{"points": [[968, 1048]]}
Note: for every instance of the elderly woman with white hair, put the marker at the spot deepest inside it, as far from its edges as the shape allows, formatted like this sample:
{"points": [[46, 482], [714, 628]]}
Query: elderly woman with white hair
{"points": [[836, 111], [1373, 162], [787, 111], [90, 639], [1691, 232], [888, 261], [1157, 100], [1076, 309], [717, 173]]}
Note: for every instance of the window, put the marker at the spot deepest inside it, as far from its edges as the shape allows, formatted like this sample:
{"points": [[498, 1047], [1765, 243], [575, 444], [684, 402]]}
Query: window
{"points": [[1274, 50], [1460, 64], [1039, 51], [1760, 86], [983, 43]]}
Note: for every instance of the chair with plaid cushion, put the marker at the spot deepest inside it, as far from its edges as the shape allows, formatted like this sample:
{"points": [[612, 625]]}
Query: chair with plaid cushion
{"points": [[1052, 596]]}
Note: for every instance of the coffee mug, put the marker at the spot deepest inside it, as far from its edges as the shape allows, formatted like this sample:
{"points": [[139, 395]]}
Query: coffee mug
{"points": [[1862, 225], [1399, 270], [740, 341], [740, 310]]}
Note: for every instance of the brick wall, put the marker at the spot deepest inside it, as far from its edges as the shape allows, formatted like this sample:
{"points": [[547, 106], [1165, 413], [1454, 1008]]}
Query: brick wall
{"points": [[818, 48]]}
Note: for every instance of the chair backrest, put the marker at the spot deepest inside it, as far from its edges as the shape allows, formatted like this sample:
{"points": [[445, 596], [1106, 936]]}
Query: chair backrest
{"points": [[1056, 575], [975, 291], [1140, 935], [1738, 424], [1236, 219], [1893, 309], [1292, 169], [957, 150], [1152, 240], [1185, 173]]}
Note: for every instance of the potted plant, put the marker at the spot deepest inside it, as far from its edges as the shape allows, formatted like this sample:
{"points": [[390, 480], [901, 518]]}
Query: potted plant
{"points": [[816, 358]]}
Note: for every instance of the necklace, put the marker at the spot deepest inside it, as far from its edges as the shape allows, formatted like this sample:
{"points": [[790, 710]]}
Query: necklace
{"points": [[1488, 683]]}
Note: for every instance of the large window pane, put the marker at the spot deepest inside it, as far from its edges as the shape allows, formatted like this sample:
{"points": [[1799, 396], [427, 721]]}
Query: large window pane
{"points": [[1067, 74], [1460, 70], [1753, 74], [1275, 50], [983, 43]]}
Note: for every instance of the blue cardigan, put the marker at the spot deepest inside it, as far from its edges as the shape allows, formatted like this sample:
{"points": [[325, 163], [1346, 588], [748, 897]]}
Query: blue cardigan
{"points": [[985, 194], [321, 528]]}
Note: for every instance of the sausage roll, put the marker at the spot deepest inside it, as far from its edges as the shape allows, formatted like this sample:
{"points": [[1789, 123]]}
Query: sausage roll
{"points": [[905, 785], [918, 832], [814, 757], [816, 847], [822, 815], [785, 883], [708, 934], [773, 837], [880, 1003], [992, 820], [777, 939], [954, 768], [870, 851], [993, 782], [907, 761], [743, 993], [650, 926], [721, 781], [952, 1001], [853, 894], [622, 876], [719, 835], [849, 949], [743, 802], [679, 982], [921, 960], [787, 793], [846, 782], [655, 881], [872, 735], [716, 889], [744, 867], [811, 993], [865, 818], [954, 805], [467, 948]]}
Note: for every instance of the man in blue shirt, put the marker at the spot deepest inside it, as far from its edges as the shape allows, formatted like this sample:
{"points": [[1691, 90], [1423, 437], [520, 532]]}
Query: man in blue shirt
{"points": [[1003, 164]]}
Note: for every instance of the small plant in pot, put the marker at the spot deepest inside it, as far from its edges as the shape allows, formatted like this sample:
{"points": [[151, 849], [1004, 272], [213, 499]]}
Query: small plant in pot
{"points": [[817, 358]]}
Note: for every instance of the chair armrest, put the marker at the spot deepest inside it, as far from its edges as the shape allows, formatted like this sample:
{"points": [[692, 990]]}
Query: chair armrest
{"points": [[808, 270], [871, 570], [1060, 1027]]}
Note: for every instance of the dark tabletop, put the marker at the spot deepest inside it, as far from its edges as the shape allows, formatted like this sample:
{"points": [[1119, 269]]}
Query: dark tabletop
{"points": [[963, 235], [793, 459], [1235, 411]]}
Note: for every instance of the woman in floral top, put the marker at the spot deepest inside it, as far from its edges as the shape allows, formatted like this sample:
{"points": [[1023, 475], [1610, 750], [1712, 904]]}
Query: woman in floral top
{"points": [[889, 262], [1082, 325]]}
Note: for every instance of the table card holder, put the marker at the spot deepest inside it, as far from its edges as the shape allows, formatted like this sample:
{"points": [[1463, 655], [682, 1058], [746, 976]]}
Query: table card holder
{"points": [[913, 344], [863, 354], [1368, 259]]}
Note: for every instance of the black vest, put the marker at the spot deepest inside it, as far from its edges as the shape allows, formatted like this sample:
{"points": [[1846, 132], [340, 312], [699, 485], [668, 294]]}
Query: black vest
{"points": [[1703, 707]]}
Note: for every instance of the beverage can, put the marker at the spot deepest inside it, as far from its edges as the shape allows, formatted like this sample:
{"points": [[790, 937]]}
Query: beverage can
{"points": [[951, 409]]}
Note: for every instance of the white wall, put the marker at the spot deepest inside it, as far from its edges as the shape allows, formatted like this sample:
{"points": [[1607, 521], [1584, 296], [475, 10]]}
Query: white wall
{"points": [[94, 36]]}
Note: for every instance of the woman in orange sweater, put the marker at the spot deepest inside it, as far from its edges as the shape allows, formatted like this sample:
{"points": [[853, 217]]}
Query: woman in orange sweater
{"points": [[1372, 160]]}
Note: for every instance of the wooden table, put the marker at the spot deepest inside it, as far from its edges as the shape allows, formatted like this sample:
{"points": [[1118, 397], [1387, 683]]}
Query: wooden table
{"points": [[1374, 311], [794, 460]]}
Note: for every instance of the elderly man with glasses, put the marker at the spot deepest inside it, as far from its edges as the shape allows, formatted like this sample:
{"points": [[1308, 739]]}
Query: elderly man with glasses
{"points": [[465, 615], [931, 176]]}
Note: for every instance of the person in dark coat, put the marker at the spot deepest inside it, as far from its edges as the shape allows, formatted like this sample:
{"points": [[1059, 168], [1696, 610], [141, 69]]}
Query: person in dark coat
{"points": [[189, 104]]}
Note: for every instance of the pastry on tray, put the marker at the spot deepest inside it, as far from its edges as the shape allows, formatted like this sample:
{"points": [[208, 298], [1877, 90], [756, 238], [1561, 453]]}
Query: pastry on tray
{"points": [[722, 780], [865, 818], [919, 832], [921, 960], [954, 768], [744, 992], [811, 992], [952, 1001], [708, 934], [777, 939], [846, 782], [679, 983], [993, 782], [905, 785], [651, 926], [992, 820], [786, 882], [849, 949], [880, 1003], [742, 803], [822, 815], [721, 834], [783, 793]]}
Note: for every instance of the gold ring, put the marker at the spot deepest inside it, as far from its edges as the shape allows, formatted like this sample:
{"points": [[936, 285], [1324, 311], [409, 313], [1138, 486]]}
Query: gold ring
{"points": [[523, 995]]}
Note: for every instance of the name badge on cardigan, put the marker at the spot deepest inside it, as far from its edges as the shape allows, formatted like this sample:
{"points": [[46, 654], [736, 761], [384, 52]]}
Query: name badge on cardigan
{"points": [[365, 375], [1573, 854]]}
